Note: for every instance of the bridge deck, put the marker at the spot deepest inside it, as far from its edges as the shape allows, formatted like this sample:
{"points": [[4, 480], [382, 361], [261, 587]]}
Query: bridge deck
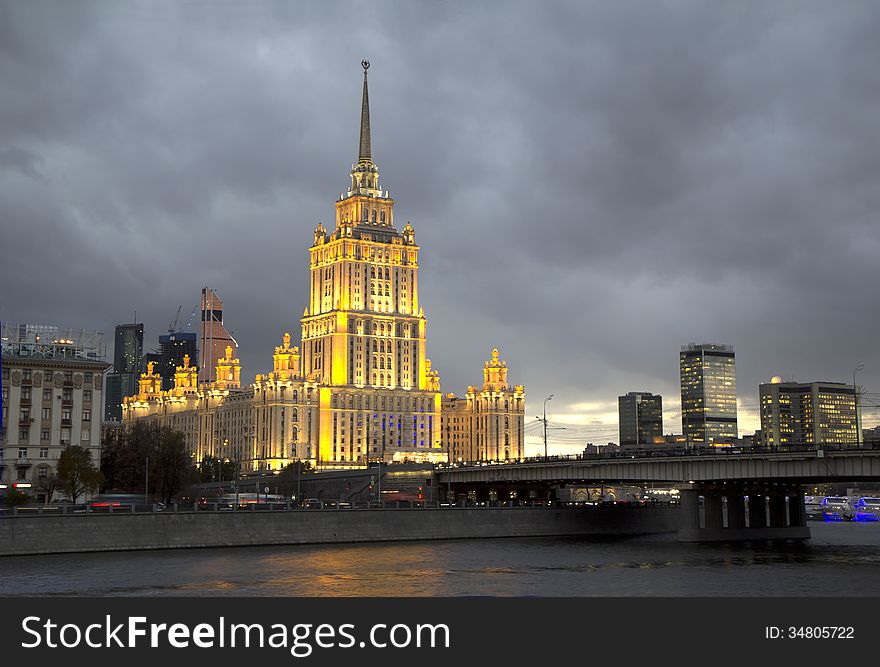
{"points": [[806, 465]]}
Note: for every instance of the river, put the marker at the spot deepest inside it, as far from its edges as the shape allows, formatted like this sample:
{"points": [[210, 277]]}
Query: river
{"points": [[840, 560]]}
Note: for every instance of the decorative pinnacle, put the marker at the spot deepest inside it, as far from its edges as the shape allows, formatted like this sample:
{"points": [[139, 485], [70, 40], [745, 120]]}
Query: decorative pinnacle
{"points": [[364, 153]]}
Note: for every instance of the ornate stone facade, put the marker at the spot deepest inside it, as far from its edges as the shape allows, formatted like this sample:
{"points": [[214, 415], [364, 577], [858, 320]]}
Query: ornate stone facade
{"points": [[362, 389]]}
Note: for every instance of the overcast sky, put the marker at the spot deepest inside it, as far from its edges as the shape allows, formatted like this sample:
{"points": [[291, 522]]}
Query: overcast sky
{"points": [[592, 184]]}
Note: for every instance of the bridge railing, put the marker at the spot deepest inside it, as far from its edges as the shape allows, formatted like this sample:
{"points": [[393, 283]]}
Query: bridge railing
{"points": [[70, 510], [660, 451]]}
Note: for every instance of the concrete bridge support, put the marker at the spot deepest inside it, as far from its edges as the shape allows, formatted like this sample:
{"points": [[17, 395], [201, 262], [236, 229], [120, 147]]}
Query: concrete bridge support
{"points": [[787, 518], [757, 510], [797, 511], [736, 511], [778, 514]]}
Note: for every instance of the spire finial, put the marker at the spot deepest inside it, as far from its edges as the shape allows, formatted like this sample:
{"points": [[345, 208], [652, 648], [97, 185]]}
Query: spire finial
{"points": [[364, 150]]}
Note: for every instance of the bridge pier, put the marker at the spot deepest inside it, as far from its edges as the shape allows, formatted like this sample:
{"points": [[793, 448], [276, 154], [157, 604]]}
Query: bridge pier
{"points": [[787, 520], [736, 511], [797, 511], [757, 511], [778, 515]]}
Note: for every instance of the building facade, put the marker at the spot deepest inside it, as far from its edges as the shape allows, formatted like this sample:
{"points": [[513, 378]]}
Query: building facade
{"points": [[708, 392], [640, 418], [128, 357], [808, 413], [487, 424], [362, 388], [51, 398]]}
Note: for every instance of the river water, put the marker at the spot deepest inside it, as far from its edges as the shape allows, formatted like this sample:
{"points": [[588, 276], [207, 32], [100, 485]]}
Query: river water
{"points": [[840, 560]]}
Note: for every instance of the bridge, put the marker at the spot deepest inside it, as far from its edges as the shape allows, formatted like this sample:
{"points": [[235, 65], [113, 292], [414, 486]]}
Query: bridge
{"points": [[735, 486]]}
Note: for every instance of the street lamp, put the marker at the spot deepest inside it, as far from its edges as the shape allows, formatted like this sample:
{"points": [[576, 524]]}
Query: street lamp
{"points": [[856, 403], [549, 398]]}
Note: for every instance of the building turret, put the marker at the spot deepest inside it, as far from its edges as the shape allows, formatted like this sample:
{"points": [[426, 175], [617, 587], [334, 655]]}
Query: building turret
{"points": [[228, 371], [150, 383], [186, 378], [286, 360], [495, 373]]}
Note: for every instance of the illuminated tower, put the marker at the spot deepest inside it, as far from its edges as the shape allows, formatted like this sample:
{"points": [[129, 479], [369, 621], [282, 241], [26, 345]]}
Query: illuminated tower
{"points": [[214, 336], [708, 392], [364, 329]]}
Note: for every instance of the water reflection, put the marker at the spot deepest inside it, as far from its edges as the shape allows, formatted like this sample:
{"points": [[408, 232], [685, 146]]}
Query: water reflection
{"points": [[841, 559]]}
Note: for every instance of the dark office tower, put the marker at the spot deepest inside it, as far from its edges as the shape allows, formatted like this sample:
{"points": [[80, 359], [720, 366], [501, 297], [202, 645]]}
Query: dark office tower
{"points": [[127, 367], [640, 417], [708, 393], [172, 348]]}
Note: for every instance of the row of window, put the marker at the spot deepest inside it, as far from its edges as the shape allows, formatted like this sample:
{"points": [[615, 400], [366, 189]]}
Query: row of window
{"points": [[66, 394], [27, 375]]}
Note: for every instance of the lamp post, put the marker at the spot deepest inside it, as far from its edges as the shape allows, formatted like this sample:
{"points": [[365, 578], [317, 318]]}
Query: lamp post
{"points": [[544, 419], [856, 404]]}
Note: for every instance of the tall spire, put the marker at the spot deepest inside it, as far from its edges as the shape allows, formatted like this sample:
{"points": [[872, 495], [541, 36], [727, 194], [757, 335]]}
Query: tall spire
{"points": [[364, 151]]}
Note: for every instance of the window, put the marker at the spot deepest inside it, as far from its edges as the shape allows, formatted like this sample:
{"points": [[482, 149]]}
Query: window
{"points": [[5, 394], [46, 414], [43, 472], [26, 374], [68, 376], [67, 394], [87, 376], [25, 393], [65, 414], [44, 452], [87, 414], [24, 414], [47, 394], [85, 435], [47, 376], [87, 395], [22, 452], [44, 434], [24, 433]]}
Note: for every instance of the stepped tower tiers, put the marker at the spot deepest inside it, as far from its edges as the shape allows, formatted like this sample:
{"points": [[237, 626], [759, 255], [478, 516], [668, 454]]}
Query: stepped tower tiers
{"points": [[363, 334]]}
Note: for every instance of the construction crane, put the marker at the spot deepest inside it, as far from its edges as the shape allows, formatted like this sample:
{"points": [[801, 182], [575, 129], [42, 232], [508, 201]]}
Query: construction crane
{"points": [[172, 328]]}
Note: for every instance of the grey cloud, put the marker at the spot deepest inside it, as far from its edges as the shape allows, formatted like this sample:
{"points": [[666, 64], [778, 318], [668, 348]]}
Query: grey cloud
{"points": [[592, 184]]}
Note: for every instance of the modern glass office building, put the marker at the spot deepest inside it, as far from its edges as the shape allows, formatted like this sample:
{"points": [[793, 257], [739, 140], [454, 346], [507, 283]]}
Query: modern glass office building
{"points": [[128, 354], [640, 417], [808, 413], [708, 392]]}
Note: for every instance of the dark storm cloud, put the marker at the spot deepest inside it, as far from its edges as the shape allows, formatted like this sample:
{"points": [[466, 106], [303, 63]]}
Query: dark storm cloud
{"points": [[592, 184]]}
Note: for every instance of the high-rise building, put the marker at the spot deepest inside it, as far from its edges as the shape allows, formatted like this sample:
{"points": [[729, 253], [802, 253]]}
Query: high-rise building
{"points": [[173, 347], [363, 388], [51, 396], [808, 413], [708, 392], [214, 336], [128, 355], [640, 417]]}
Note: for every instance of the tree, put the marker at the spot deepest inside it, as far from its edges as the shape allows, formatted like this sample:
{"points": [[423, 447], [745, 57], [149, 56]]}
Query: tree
{"points": [[77, 474], [214, 470], [48, 485], [126, 453], [173, 465]]}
